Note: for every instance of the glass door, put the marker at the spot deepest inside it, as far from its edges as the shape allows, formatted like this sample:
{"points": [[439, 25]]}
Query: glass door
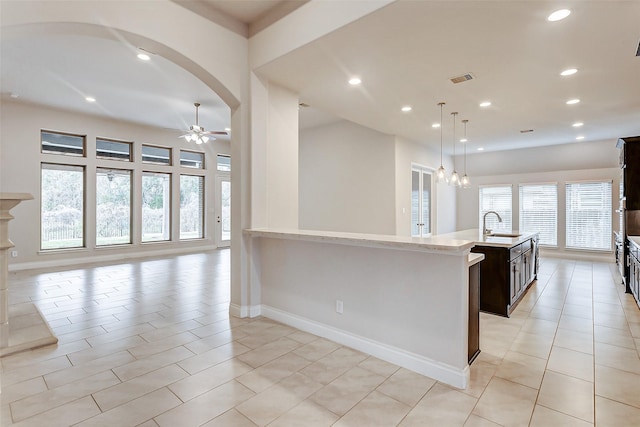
{"points": [[223, 211], [420, 202]]}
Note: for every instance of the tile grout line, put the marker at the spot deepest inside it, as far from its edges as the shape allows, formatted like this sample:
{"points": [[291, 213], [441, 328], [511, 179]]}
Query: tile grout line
{"points": [[544, 373]]}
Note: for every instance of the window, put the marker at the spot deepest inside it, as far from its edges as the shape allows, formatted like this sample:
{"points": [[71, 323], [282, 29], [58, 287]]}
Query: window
{"points": [[539, 211], [224, 163], [589, 215], [60, 143], [62, 206], [156, 155], [420, 202], [113, 150], [113, 207], [191, 207], [191, 159], [156, 206], [498, 199]]}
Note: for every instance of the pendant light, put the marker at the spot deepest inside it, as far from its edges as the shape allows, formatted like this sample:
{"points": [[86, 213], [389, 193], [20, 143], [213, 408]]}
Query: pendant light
{"points": [[466, 182], [441, 174], [455, 179]]}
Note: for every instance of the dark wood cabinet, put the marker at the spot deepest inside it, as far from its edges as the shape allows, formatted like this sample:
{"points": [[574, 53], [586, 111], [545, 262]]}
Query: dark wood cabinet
{"points": [[506, 273], [630, 164], [629, 211]]}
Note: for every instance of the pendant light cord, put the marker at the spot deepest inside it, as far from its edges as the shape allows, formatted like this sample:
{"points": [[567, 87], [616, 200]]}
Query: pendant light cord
{"points": [[454, 114], [465, 146], [441, 104]]}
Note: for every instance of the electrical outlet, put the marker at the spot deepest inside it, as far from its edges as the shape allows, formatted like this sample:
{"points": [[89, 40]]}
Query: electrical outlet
{"points": [[14, 254], [339, 306]]}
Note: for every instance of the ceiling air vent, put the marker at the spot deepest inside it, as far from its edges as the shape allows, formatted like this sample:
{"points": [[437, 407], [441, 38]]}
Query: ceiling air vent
{"points": [[526, 131], [462, 78]]}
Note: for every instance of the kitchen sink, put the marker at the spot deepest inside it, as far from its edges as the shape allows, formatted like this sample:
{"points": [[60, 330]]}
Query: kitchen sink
{"points": [[503, 235]]}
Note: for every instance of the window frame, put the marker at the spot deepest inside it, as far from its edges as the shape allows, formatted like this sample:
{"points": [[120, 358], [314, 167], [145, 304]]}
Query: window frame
{"points": [[202, 209], [61, 166], [502, 214], [57, 153], [607, 210], [131, 191], [130, 143], [148, 162], [228, 156], [201, 153], [520, 211], [169, 220]]}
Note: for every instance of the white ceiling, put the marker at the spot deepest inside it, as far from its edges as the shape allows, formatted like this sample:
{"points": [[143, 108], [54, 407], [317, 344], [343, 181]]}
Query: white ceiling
{"points": [[62, 70], [405, 53]]}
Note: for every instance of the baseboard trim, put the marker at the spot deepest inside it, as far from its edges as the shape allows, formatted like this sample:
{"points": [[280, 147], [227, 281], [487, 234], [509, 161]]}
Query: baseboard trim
{"points": [[447, 374], [245, 310], [607, 257], [121, 256]]}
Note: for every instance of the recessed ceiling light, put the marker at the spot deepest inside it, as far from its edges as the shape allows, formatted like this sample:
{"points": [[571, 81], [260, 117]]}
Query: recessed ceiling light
{"points": [[435, 125], [480, 148], [573, 101], [406, 108], [143, 56], [558, 15], [14, 95], [569, 71], [579, 137], [463, 140], [227, 129], [355, 81], [577, 124], [90, 99], [485, 103]]}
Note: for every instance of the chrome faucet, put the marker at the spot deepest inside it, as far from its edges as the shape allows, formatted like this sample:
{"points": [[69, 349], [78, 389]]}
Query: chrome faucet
{"points": [[485, 230]]}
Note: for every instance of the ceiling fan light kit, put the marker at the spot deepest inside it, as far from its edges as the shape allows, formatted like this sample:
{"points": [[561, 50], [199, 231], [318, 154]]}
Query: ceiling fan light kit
{"points": [[197, 134]]}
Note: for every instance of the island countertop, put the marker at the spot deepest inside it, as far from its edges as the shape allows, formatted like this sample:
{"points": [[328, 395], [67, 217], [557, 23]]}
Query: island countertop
{"points": [[447, 244], [479, 239]]}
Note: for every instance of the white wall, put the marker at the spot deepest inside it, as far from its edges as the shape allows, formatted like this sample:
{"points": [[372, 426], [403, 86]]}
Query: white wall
{"points": [[554, 164], [282, 158], [572, 156], [20, 159], [404, 305], [347, 179]]}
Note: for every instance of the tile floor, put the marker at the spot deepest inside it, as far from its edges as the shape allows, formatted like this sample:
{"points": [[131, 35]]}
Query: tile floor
{"points": [[150, 343]]}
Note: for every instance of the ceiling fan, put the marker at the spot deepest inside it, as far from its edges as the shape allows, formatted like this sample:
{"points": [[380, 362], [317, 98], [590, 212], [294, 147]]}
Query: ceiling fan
{"points": [[197, 133]]}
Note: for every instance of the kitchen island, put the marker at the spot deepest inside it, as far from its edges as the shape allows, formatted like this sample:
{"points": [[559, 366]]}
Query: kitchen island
{"points": [[404, 300], [509, 268]]}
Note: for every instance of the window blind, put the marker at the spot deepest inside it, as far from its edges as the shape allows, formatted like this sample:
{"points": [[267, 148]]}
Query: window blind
{"points": [[589, 215], [496, 198], [539, 211]]}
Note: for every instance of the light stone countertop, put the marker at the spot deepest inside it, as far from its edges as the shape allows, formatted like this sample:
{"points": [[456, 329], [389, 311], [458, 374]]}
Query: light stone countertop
{"points": [[479, 239], [634, 239], [434, 244], [474, 258]]}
